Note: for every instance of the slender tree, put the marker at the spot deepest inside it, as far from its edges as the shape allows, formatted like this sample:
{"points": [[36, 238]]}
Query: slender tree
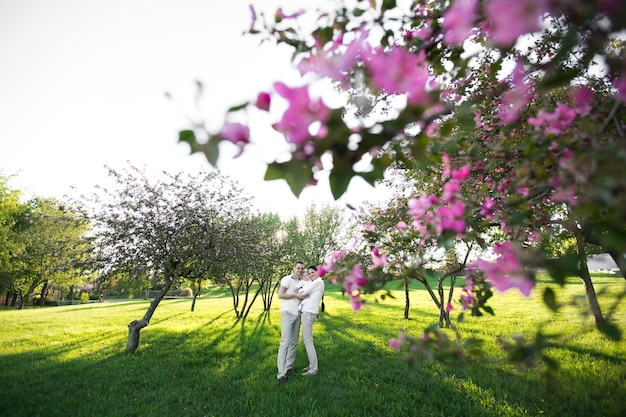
{"points": [[56, 245], [167, 228], [13, 220]]}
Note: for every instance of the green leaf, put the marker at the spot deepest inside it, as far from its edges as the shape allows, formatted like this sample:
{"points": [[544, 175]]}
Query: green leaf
{"points": [[549, 298], [296, 172], [339, 183], [489, 310], [388, 4], [212, 150], [189, 137], [239, 107]]}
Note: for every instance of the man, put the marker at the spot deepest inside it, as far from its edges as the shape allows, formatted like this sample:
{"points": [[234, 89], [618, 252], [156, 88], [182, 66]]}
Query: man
{"points": [[313, 290], [290, 321]]}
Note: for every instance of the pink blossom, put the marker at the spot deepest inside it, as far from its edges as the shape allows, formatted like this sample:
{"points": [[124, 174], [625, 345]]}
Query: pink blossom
{"points": [[449, 307], [356, 303], [450, 189], [461, 173], [370, 227], [517, 97], [564, 195], [401, 72], [534, 237], [396, 343], [555, 122], [506, 272], [422, 33], [330, 260], [458, 21], [582, 100], [301, 113], [487, 208], [419, 206], [280, 15], [352, 284], [451, 217], [263, 101], [445, 161], [620, 86], [512, 18], [236, 133], [337, 61], [378, 259]]}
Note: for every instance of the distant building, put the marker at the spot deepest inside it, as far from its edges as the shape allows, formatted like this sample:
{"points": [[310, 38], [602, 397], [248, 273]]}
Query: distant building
{"points": [[601, 262]]}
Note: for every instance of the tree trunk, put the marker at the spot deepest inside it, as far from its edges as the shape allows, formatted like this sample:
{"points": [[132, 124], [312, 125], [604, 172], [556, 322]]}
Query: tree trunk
{"points": [[44, 289], [450, 297], [70, 296], [25, 297], [271, 298], [407, 301], [16, 296], [135, 326], [256, 294], [590, 292], [195, 294]]}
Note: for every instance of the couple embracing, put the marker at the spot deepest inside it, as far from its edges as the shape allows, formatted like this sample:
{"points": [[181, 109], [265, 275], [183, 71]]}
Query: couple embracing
{"points": [[300, 294]]}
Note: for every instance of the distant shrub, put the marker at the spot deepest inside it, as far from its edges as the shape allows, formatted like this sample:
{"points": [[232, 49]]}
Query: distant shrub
{"points": [[84, 298]]}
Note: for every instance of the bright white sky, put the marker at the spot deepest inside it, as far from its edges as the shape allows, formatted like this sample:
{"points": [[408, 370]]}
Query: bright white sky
{"points": [[82, 85]]}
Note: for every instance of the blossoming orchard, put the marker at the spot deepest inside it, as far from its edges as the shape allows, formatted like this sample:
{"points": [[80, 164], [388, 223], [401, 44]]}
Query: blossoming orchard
{"points": [[506, 115]]}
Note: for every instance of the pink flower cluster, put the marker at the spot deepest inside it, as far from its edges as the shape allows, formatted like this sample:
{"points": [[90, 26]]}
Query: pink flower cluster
{"points": [[511, 18], [301, 114], [506, 272], [378, 260], [401, 72], [445, 217], [330, 261], [458, 21], [517, 97], [395, 344], [352, 284], [337, 61], [236, 133], [555, 122]]}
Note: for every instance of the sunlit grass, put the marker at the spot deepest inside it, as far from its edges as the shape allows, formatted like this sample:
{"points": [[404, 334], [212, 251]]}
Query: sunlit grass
{"points": [[59, 361]]}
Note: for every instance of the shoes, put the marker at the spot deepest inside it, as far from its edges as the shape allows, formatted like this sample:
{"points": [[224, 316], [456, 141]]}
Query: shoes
{"points": [[305, 369], [309, 373], [282, 380], [290, 372]]}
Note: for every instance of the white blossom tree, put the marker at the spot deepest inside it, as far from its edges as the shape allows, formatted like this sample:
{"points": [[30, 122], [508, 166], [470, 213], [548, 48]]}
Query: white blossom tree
{"points": [[169, 228]]}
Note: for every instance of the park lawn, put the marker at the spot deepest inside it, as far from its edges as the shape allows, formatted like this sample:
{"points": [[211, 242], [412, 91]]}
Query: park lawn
{"points": [[71, 360]]}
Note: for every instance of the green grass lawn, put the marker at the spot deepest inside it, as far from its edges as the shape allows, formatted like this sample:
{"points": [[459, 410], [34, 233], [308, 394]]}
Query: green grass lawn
{"points": [[71, 361]]}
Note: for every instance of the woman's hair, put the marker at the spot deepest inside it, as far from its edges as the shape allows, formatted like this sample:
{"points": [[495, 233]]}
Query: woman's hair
{"points": [[313, 267]]}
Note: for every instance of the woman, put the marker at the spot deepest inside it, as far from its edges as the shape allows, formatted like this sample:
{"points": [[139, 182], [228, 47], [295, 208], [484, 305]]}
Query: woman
{"points": [[314, 289]]}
